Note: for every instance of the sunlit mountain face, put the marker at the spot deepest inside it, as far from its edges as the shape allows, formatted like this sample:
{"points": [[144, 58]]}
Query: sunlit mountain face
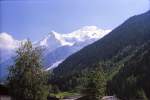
{"points": [[57, 46], [54, 39]]}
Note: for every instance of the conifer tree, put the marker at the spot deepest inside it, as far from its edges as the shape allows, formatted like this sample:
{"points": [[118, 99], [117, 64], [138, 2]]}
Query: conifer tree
{"points": [[27, 80]]}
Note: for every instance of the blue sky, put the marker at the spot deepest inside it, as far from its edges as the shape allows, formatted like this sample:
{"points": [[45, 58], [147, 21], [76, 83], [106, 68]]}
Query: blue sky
{"points": [[35, 18]]}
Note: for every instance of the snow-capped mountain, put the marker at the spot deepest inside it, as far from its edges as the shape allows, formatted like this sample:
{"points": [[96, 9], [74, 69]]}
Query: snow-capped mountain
{"points": [[54, 65], [54, 40], [58, 46]]}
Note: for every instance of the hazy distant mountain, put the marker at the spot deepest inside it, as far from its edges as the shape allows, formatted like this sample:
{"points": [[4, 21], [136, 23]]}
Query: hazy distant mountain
{"points": [[57, 46]]}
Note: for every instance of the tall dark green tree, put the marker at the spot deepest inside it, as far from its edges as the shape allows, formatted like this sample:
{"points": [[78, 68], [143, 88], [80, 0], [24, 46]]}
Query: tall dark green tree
{"points": [[27, 80]]}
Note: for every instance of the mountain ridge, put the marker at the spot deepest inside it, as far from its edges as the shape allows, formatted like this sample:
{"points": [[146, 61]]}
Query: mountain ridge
{"points": [[132, 32]]}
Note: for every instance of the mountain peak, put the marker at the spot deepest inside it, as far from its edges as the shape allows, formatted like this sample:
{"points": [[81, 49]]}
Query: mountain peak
{"points": [[55, 39]]}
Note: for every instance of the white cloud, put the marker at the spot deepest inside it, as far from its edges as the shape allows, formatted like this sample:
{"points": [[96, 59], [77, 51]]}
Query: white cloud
{"points": [[7, 41]]}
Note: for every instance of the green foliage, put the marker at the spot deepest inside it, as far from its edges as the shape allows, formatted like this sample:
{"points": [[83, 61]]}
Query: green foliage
{"points": [[55, 89], [95, 84], [27, 80], [63, 94], [132, 81]]}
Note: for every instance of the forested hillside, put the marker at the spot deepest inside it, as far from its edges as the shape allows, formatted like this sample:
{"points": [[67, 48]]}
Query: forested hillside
{"points": [[133, 81], [134, 32], [123, 55]]}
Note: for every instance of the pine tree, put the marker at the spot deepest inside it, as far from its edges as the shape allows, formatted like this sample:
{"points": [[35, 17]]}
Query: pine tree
{"points": [[27, 80]]}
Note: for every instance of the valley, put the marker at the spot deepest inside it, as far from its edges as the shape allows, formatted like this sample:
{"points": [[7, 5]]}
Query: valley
{"points": [[88, 58]]}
